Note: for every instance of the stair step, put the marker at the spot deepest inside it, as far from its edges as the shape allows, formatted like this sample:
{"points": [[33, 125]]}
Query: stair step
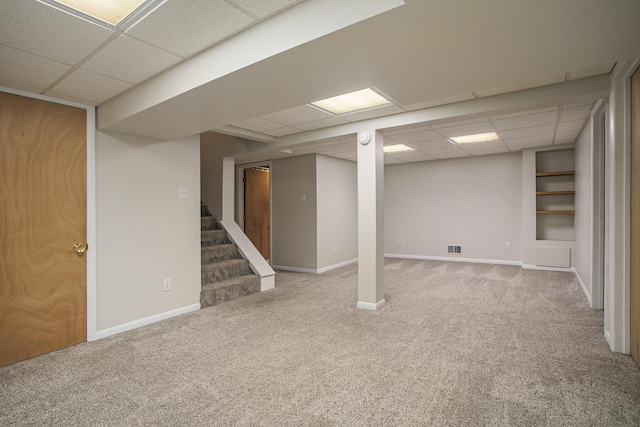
{"points": [[217, 253], [209, 223], [228, 290], [213, 237], [224, 270]]}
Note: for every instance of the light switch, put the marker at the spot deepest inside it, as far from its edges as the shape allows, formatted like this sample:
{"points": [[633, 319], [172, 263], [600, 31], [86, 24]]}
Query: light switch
{"points": [[183, 192], [304, 197]]}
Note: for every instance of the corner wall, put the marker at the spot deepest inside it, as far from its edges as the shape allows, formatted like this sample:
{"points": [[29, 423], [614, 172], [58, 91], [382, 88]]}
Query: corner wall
{"points": [[145, 233], [472, 202]]}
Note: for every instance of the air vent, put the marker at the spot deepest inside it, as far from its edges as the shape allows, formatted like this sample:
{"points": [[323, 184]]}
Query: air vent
{"points": [[454, 249]]}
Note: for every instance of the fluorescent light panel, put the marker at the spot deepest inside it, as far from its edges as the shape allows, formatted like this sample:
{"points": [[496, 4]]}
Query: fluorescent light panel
{"points": [[110, 11], [397, 148], [478, 137], [353, 101]]}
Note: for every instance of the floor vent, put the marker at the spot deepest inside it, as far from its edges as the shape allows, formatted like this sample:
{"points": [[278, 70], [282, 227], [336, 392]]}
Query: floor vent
{"points": [[454, 249]]}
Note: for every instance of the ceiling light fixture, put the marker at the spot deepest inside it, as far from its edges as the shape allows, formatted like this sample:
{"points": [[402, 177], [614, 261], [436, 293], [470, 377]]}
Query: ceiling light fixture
{"points": [[112, 12], [478, 137], [397, 148], [353, 101]]}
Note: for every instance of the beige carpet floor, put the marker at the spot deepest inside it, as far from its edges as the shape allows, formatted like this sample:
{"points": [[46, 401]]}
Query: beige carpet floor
{"points": [[457, 344]]}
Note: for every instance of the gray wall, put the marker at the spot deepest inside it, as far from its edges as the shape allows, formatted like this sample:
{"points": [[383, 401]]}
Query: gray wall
{"points": [[337, 187], [474, 202], [145, 233], [293, 223]]}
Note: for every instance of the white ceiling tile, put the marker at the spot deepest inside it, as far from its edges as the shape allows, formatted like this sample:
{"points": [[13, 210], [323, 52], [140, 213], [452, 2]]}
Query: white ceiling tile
{"points": [[521, 86], [372, 113], [130, 60], [263, 8], [420, 146], [335, 149], [470, 129], [485, 151], [567, 137], [577, 113], [538, 140], [524, 132], [405, 154], [258, 124], [602, 69], [405, 138], [36, 28], [441, 150], [524, 113], [318, 124], [84, 84], [579, 104], [297, 115], [442, 156], [29, 70], [526, 121], [441, 101], [530, 144], [572, 125], [204, 23], [74, 99], [419, 158], [282, 131], [399, 130], [346, 156], [388, 160], [490, 145], [452, 123]]}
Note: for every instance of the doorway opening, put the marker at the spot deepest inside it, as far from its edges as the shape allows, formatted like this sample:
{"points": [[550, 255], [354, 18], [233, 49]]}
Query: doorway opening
{"points": [[255, 209]]}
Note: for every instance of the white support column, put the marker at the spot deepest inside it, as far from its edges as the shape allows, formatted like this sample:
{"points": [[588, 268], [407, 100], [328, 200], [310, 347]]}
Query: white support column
{"points": [[370, 220], [617, 209], [228, 188]]}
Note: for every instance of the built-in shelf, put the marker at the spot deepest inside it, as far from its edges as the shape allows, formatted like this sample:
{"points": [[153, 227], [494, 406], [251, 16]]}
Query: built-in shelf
{"points": [[556, 212], [555, 193], [557, 173]]}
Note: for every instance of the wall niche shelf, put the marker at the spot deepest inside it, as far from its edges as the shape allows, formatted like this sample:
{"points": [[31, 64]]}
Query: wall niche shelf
{"points": [[556, 212], [555, 195], [555, 173]]}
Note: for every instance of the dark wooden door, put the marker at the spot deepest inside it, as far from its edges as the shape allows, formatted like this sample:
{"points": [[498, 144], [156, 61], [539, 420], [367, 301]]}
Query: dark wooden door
{"points": [[256, 208], [42, 217]]}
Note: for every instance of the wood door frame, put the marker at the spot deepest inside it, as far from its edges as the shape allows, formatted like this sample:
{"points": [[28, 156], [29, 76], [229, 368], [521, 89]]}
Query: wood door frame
{"points": [[91, 201], [240, 196]]}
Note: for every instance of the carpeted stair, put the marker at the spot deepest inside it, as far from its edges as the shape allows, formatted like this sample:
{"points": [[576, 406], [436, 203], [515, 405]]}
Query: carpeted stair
{"points": [[225, 274]]}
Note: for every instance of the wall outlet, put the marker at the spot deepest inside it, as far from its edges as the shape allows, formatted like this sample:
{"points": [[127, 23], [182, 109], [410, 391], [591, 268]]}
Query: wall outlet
{"points": [[401, 242], [167, 285], [183, 192], [507, 245], [335, 249], [304, 197]]}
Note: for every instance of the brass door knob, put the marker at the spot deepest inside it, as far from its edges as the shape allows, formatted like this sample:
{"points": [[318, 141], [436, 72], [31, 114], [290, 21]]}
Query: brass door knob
{"points": [[80, 248]]}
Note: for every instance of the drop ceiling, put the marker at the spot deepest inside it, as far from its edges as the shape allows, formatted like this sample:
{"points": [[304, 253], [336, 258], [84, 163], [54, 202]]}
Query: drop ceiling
{"points": [[408, 52]]}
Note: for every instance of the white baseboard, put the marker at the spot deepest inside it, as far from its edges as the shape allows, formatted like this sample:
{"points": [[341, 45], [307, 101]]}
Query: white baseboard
{"points": [[452, 259], [313, 270], [334, 266], [370, 305], [540, 267], [586, 293], [146, 321]]}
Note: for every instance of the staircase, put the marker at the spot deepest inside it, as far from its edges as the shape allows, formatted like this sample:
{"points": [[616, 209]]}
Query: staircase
{"points": [[226, 275]]}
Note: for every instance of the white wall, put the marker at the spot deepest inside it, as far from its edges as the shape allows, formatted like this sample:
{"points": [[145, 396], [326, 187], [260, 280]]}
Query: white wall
{"points": [[584, 206], [145, 233], [474, 202], [337, 227], [293, 232]]}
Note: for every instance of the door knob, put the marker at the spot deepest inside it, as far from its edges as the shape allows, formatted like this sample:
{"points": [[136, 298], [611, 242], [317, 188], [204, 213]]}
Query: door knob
{"points": [[80, 248]]}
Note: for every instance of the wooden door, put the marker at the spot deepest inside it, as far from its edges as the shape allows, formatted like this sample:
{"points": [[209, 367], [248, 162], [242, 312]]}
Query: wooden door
{"points": [[42, 216], [635, 217], [256, 208]]}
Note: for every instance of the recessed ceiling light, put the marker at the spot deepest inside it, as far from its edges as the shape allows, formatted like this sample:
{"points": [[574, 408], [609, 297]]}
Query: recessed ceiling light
{"points": [[112, 12], [353, 101], [397, 148], [478, 137]]}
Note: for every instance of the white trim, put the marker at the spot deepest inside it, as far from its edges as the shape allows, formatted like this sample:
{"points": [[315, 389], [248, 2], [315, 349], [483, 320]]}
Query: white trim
{"points": [[584, 289], [295, 269], [544, 268], [441, 258], [267, 282], [338, 265], [146, 321], [91, 202], [370, 305]]}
